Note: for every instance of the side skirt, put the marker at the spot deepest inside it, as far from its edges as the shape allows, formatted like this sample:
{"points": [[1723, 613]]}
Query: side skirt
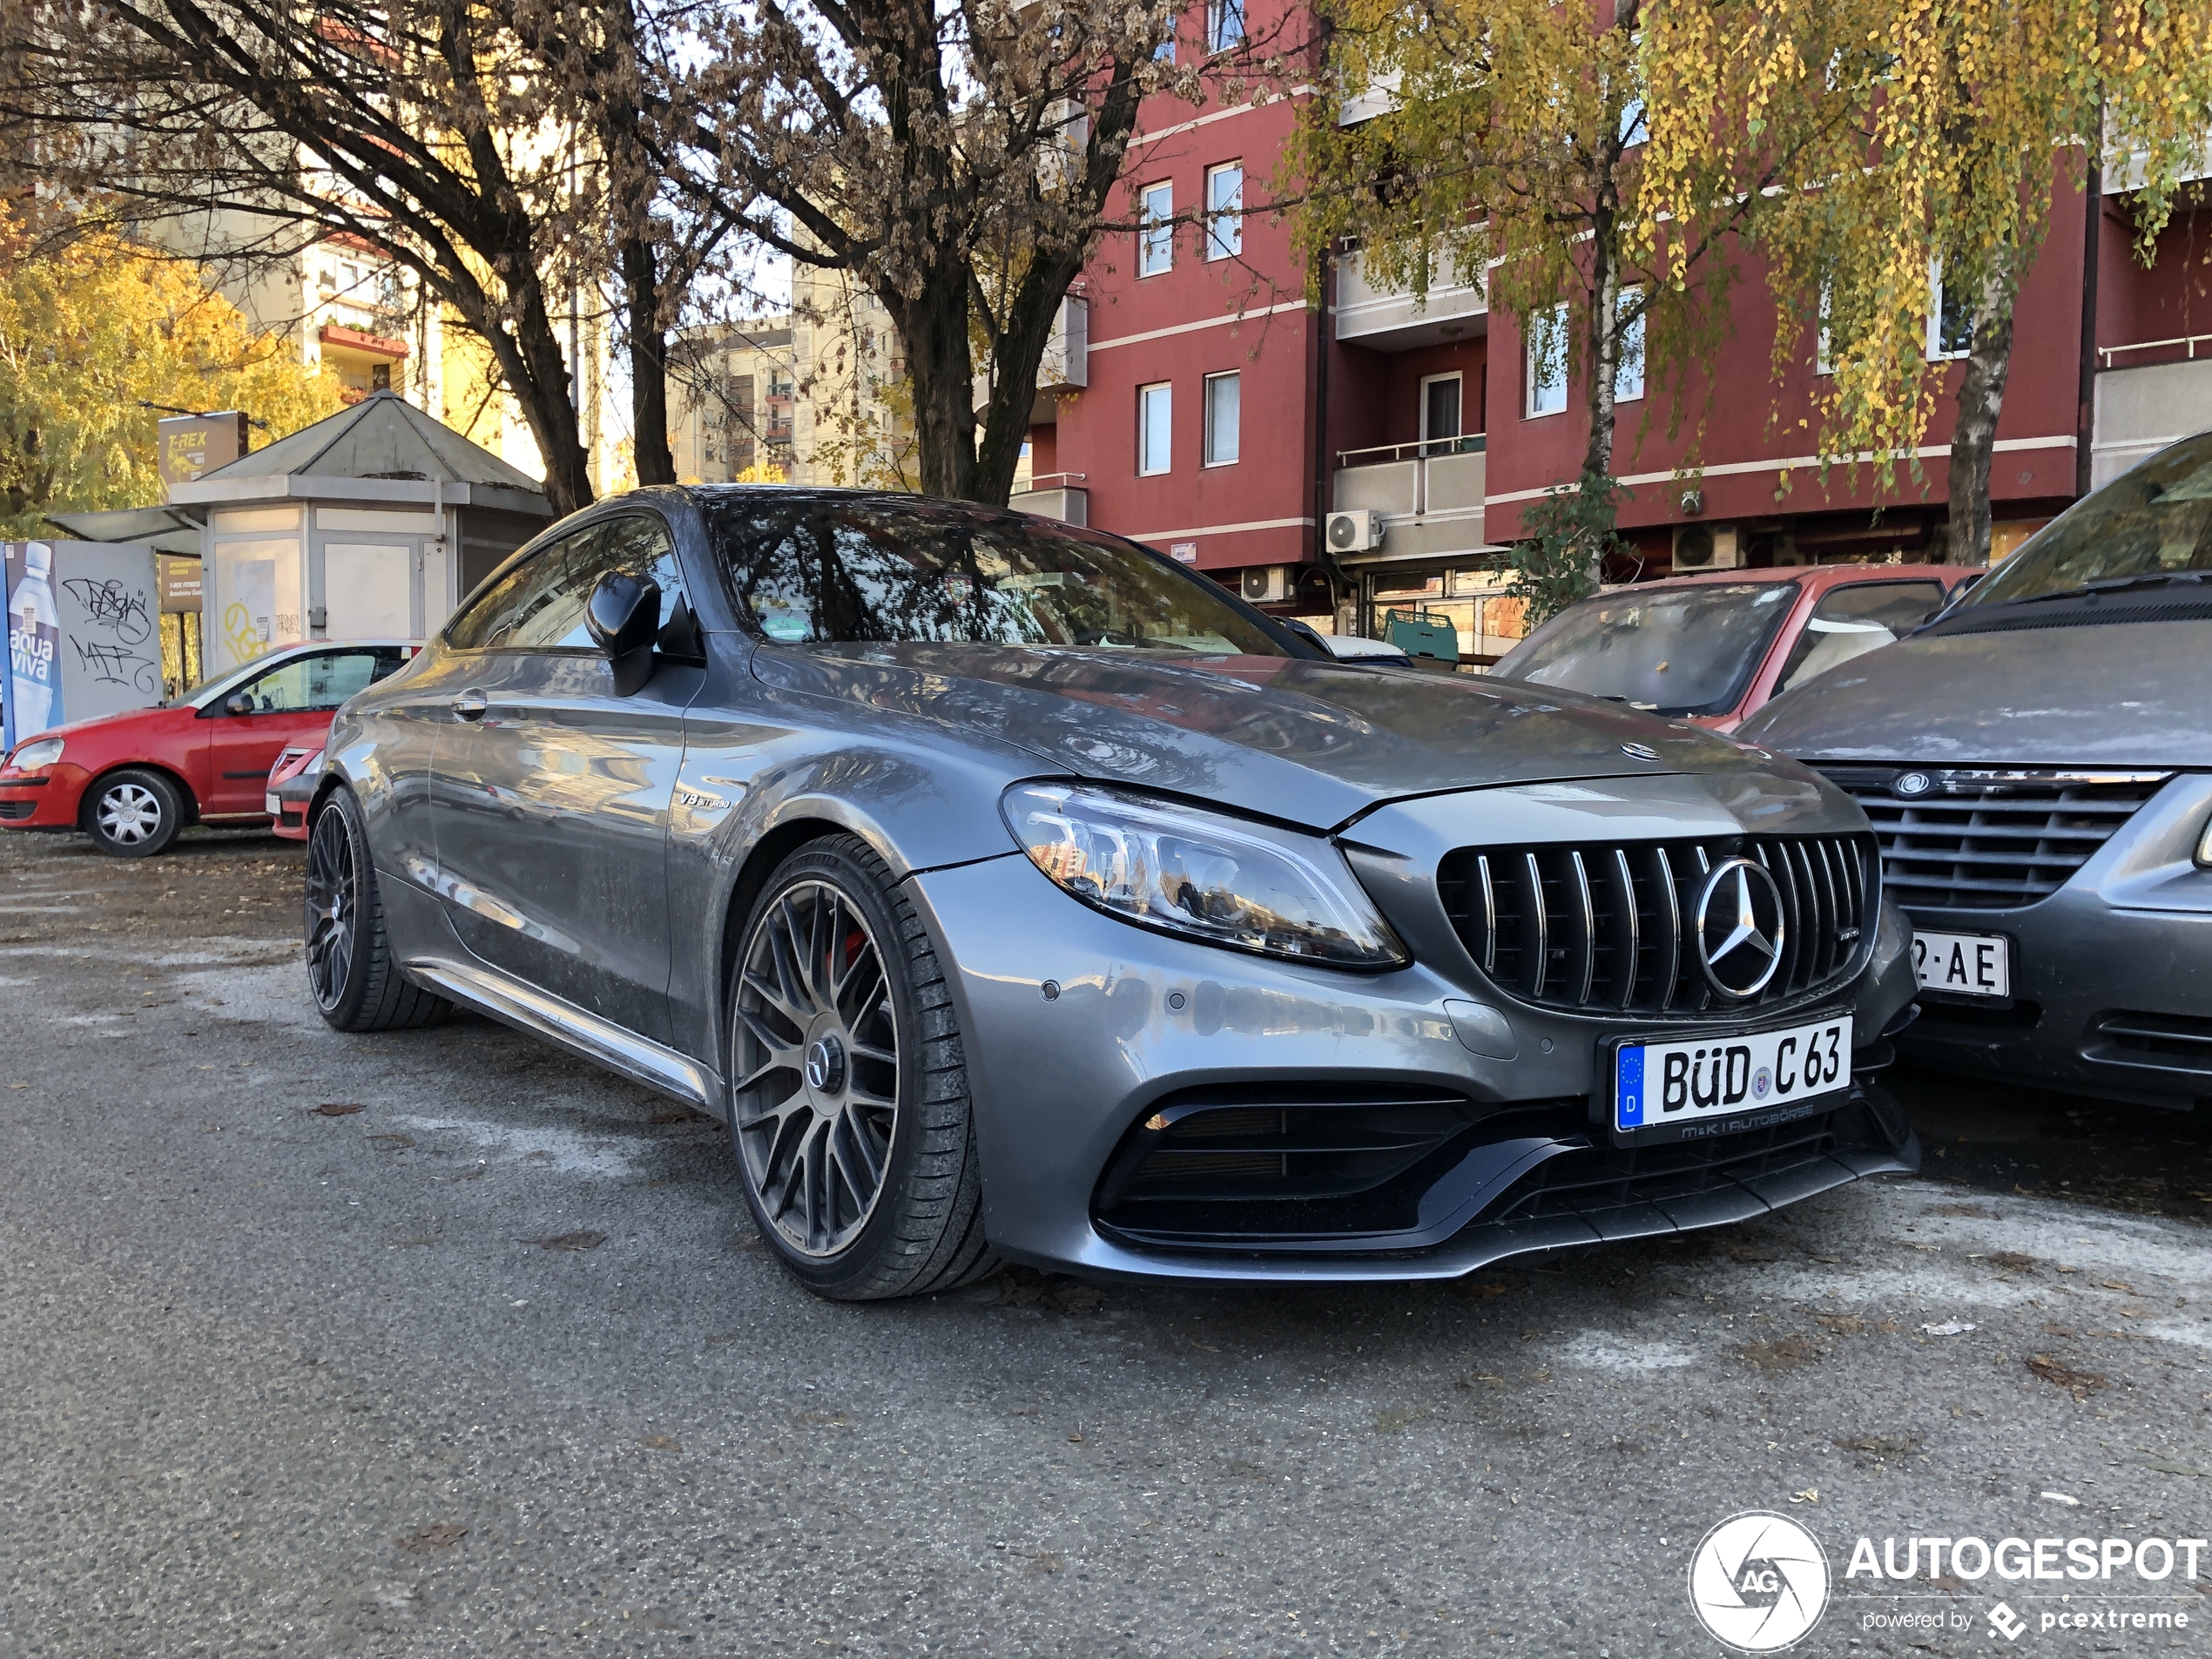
{"points": [[602, 1042]]}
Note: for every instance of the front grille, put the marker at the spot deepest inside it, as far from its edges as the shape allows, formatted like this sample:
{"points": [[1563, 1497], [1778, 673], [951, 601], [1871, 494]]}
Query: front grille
{"points": [[1984, 839], [1592, 1180], [2179, 1042], [1611, 927]]}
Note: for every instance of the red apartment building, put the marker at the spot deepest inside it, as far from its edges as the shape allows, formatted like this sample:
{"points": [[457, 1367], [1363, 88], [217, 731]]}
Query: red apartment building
{"points": [[1202, 408]]}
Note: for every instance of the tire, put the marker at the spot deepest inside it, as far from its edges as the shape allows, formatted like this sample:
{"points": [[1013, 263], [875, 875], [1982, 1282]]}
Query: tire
{"points": [[134, 814], [840, 1075], [350, 971]]}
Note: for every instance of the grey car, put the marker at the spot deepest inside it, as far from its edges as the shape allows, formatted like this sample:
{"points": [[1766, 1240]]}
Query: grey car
{"points": [[2038, 762], [1012, 892]]}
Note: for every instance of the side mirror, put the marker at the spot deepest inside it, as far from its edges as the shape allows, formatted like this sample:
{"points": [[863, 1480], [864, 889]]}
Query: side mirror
{"points": [[238, 703], [623, 615]]}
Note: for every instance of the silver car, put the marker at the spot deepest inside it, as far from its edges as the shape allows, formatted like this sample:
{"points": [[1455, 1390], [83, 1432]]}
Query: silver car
{"points": [[2038, 762], [1012, 892]]}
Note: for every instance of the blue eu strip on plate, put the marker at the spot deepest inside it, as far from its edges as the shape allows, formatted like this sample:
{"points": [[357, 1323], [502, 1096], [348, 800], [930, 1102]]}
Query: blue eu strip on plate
{"points": [[1628, 1089]]}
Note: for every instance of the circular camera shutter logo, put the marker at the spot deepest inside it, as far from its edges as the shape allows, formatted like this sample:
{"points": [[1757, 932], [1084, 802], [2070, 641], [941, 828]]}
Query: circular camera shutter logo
{"points": [[1739, 929], [1759, 1582]]}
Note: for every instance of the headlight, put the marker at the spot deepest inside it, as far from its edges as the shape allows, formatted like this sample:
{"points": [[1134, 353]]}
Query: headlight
{"points": [[34, 757], [1212, 879]]}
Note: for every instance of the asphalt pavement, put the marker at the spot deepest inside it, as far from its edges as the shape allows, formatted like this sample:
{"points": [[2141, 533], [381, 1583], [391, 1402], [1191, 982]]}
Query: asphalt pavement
{"points": [[444, 1343]]}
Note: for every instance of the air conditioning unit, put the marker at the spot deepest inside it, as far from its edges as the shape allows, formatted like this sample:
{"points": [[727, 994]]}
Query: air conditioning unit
{"points": [[1707, 547], [1268, 585], [1354, 530]]}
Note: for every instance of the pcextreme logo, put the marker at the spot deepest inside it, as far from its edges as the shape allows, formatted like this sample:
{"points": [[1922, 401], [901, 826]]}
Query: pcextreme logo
{"points": [[1758, 1582]]}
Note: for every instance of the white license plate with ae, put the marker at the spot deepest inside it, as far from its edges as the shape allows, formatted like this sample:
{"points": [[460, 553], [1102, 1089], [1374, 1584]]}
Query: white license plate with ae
{"points": [[1964, 964], [1685, 1087]]}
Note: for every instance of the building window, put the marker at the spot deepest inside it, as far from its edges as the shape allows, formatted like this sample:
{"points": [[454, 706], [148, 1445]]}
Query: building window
{"points": [[1951, 318], [1628, 368], [1155, 242], [1155, 427], [1441, 414], [1224, 395], [1547, 366], [1225, 210], [1225, 25]]}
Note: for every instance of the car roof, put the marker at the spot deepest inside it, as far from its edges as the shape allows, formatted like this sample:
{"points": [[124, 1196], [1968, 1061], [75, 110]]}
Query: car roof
{"points": [[1820, 575]]}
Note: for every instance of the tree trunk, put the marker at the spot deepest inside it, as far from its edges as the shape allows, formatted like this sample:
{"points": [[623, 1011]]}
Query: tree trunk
{"points": [[542, 389], [1604, 353], [1974, 440], [648, 362], [933, 327]]}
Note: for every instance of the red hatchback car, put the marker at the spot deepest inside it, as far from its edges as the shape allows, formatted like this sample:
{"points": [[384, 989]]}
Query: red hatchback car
{"points": [[1712, 648], [132, 781]]}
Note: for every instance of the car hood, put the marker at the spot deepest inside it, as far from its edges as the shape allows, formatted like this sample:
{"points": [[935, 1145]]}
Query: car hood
{"points": [[139, 717], [1311, 742], [2131, 694]]}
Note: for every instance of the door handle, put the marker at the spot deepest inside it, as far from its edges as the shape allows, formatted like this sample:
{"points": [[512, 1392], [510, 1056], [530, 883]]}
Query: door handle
{"points": [[470, 706]]}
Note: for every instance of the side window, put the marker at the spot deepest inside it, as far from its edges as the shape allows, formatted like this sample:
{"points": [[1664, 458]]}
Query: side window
{"points": [[635, 543], [310, 684], [489, 617], [539, 606], [1851, 621]]}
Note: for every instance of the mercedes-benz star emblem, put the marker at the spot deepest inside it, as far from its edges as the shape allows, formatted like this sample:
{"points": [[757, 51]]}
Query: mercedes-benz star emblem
{"points": [[1913, 784], [825, 1066], [1739, 929]]}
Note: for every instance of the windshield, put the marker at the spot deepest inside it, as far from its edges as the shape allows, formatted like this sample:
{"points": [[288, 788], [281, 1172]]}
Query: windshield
{"points": [[2153, 520], [811, 570], [203, 692], [1679, 650]]}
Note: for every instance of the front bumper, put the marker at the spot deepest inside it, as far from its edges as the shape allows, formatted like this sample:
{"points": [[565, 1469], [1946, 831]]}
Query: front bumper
{"points": [[2111, 975], [46, 800], [1485, 1157]]}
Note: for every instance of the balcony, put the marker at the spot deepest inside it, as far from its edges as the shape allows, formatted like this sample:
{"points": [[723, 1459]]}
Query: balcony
{"points": [[1385, 319], [1055, 495], [1064, 367], [1429, 494], [2140, 410]]}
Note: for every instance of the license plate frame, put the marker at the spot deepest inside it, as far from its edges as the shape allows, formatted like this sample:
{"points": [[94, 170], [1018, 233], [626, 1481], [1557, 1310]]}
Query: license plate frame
{"points": [[1968, 973], [1645, 1127]]}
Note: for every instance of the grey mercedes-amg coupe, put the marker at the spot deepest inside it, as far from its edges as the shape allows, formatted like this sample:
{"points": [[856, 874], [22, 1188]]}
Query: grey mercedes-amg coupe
{"points": [[1012, 892]]}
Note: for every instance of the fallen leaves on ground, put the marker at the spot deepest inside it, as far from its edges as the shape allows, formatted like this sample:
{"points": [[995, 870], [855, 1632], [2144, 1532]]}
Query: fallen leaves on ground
{"points": [[1882, 1445], [1485, 1289], [440, 1535], [1784, 1354], [585, 1240], [1391, 1422], [658, 1443], [1844, 1324], [338, 1109], [2011, 1261], [2059, 1374], [1024, 1287], [1960, 1209]]}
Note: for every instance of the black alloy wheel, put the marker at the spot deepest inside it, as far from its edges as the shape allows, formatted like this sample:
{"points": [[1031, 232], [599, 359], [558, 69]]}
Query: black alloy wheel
{"points": [[350, 967], [849, 1101]]}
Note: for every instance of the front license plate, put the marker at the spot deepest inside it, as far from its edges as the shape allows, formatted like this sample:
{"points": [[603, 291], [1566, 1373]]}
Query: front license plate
{"points": [[1718, 1085], [1964, 964], [272, 805]]}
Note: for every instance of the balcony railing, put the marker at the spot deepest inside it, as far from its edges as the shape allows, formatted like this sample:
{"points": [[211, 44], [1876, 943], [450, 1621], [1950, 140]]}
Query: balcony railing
{"points": [[2141, 409], [1430, 504], [1390, 319], [1064, 500]]}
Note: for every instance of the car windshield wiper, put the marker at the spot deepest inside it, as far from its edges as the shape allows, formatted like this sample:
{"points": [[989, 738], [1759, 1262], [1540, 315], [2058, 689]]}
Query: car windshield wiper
{"points": [[2111, 584]]}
